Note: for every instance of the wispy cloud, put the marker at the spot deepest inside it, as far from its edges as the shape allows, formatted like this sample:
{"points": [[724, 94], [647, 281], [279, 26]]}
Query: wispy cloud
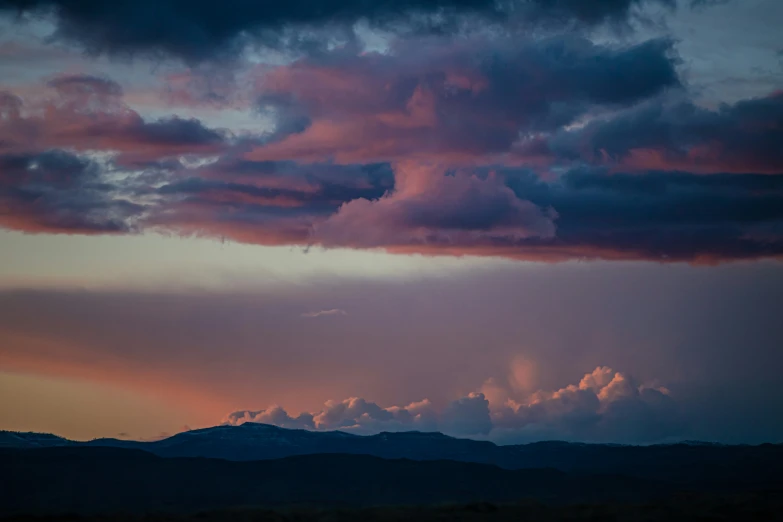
{"points": [[331, 311]]}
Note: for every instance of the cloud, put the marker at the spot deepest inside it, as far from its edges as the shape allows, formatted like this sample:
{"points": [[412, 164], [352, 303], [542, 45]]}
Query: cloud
{"points": [[677, 135], [88, 113], [320, 313], [548, 149], [606, 406], [207, 29], [56, 191], [10, 106], [660, 215], [272, 415], [79, 88], [587, 212], [451, 101], [467, 416], [430, 207], [352, 414]]}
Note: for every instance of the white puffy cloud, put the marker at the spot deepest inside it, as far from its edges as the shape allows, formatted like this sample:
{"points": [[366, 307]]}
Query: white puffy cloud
{"points": [[605, 406], [354, 414], [272, 415], [467, 416]]}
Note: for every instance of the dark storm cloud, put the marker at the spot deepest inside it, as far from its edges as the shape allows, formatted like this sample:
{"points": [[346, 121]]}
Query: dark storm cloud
{"points": [[177, 131], [85, 93], [591, 12], [56, 168], [64, 192], [742, 137], [440, 98], [195, 30], [58, 192], [663, 215], [89, 113], [289, 116], [471, 146], [79, 85], [316, 198], [548, 83], [261, 202], [316, 187], [360, 176]]}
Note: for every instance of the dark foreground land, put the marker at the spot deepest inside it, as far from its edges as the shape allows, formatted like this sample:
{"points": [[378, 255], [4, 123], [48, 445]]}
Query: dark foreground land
{"points": [[259, 472], [53, 481], [760, 507]]}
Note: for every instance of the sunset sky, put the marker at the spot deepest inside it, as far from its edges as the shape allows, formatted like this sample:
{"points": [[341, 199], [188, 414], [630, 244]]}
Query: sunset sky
{"points": [[511, 220]]}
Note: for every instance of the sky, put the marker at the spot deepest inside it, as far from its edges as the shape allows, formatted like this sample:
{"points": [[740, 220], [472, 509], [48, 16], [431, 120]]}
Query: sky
{"points": [[510, 221]]}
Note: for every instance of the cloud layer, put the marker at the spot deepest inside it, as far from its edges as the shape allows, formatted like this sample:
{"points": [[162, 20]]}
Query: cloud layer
{"points": [[550, 144], [209, 29]]}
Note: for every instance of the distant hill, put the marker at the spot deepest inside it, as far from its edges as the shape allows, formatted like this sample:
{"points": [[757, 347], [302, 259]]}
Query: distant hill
{"points": [[692, 463], [78, 479], [12, 439]]}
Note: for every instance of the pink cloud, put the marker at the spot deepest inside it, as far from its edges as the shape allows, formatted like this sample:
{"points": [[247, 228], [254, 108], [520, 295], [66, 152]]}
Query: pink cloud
{"points": [[87, 113], [462, 101], [445, 115], [430, 207]]}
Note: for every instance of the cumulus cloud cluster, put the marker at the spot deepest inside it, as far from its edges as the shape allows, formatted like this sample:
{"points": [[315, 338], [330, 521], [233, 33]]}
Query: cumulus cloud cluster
{"points": [[604, 406]]}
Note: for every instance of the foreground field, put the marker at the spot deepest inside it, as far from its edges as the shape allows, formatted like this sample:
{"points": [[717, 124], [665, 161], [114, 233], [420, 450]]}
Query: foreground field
{"points": [[761, 507]]}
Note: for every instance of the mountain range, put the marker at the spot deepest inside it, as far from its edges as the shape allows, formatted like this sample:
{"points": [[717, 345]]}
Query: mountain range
{"points": [[262, 465], [88, 480], [683, 462]]}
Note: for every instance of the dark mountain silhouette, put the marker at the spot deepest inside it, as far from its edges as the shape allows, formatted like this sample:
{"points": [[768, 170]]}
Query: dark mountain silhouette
{"points": [[78, 479], [696, 464], [259, 465], [11, 439], [252, 441]]}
